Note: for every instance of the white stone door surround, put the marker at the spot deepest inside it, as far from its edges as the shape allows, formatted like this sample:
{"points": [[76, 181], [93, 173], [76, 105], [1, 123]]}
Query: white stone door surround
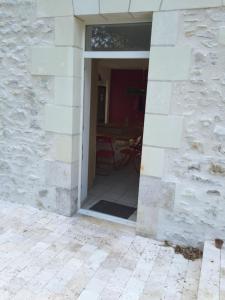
{"points": [[65, 63]]}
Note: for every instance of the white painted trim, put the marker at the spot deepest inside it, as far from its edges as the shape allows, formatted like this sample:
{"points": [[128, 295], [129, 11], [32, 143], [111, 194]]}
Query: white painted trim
{"points": [[101, 55], [106, 85], [81, 127], [86, 128], [105, 217], [117, 54], [102, 20]]}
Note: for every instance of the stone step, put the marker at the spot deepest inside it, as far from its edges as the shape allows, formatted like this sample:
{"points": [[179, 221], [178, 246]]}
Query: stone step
{"points": [[222, 275], [209, 285]]}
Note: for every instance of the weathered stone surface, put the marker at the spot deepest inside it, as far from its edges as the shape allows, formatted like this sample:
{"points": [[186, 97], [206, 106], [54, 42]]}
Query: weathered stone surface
{"points": [[62, 175], [23, 143], [85, 258], [155, 192], [28, 172], [28, 175], [66, 201], [198, 166]]}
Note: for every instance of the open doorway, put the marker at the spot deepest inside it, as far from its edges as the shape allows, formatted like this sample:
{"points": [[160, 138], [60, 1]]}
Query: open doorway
{"points": [[113, 130]]}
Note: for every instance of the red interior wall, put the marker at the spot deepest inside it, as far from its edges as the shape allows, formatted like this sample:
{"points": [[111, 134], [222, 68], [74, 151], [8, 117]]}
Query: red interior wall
{"points": [[124, 107]]}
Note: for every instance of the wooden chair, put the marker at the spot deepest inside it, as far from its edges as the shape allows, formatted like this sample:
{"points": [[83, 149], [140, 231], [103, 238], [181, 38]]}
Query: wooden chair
{"points": [[132, 153], [105, 155]]}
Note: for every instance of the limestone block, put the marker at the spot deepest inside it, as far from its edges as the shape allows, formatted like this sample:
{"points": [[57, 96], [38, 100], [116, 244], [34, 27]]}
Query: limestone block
{"points": [[154, 192], [164, 59], [66, 201], [54, 8], [158, 97], [93, 19], [64, 91], [210, 279], [163, 131], [61, 119], [58, 61], [67, 91], [115, 6], [66, 148], [152, 161], [78, 62], [144, 5], [61, 175], [165, 28], [147, 220], [119, 17], [86, 7], [69, 31], [141, 16], [186, 4], [221, 37]]}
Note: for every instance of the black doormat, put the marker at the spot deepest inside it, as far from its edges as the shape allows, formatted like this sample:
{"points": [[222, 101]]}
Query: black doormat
{"points": [[113, 209]]}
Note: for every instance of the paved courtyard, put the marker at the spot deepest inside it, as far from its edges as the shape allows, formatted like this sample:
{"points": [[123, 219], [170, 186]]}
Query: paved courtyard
{"points": [[47, 256]]}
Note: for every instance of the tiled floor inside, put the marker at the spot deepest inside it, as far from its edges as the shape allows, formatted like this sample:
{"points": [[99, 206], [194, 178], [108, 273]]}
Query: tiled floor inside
{"points": [[44, 256], [120, 186]]}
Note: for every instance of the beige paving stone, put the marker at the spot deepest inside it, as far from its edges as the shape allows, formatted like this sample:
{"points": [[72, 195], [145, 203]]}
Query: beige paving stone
{"points": [[59, 258], [209, 286]]}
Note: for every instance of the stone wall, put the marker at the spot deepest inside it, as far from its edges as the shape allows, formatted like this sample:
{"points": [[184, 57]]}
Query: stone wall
{"points": [[40, 92], [185, 200], [182, 190], [24, 144]]}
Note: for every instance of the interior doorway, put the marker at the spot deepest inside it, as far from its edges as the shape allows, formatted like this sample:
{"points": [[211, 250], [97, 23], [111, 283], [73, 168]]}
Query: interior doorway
{"points": [[113, 122]]}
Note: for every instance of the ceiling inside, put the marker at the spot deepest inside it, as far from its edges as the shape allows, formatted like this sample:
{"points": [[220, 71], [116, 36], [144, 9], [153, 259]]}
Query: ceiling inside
{"points": [[132, 64]]}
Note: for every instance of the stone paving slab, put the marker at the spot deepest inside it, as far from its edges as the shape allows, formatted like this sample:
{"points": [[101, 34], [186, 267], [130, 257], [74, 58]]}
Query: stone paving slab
{"points": [[44, 256], [209, 285]]}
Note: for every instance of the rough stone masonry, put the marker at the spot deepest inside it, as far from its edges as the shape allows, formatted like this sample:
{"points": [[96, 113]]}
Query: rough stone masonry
{"points": [[190, 198], [24, 145], [197, 209]]}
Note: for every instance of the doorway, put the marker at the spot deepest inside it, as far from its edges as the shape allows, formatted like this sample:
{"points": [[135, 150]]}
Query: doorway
{"points": [[114, 109]]}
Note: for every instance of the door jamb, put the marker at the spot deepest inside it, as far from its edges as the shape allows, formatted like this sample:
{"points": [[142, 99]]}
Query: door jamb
{"points": [[100, 55]]}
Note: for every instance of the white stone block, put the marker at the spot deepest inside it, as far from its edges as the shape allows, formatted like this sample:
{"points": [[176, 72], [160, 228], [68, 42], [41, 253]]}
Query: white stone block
{"points": [[221, 37], [61, 119], [144, 5], [165, 28], [93, 19], [66, 148], [69, 31], [78, 62], [86, 7], [147, 220], [209, 284], [141, 16], [163, 131], [158, 97], [58, 61], [115, 6], [63, 88], [54, 8], [67, 91], [186, 4], [61, 175], [170, 63], [152, 163], [119, 17]]}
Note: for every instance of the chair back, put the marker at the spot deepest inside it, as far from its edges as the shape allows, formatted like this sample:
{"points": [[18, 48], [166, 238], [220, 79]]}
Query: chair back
{"points": [[104, 143]]}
